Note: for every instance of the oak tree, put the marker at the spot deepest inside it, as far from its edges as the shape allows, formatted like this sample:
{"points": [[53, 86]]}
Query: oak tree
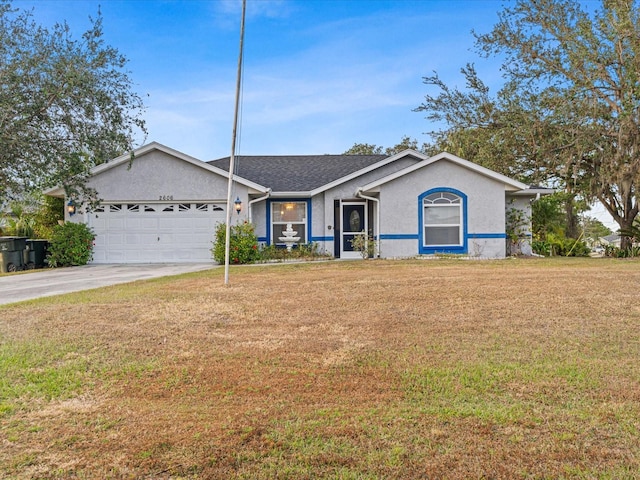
{"points": [[66, 105], [371, 149], [569, 110]]}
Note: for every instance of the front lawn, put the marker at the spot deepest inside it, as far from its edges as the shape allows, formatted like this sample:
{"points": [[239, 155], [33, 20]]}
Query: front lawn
{"points": [[347, 370]]}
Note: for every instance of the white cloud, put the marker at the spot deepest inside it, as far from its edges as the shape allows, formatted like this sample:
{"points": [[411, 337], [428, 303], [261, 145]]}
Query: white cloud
{"points": [[311, 87]]}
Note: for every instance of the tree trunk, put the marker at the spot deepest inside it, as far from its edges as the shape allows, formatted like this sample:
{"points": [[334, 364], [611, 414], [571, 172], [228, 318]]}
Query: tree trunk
{"points": [[625, 226], [623, 216], [571, 218]]}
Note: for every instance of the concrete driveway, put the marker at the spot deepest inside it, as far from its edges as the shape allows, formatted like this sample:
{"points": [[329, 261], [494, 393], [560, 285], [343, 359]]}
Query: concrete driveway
{"points": [[55, 281]]}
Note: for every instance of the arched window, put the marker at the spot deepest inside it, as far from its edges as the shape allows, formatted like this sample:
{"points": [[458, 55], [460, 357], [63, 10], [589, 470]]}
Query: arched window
{"points": [[442, 219]]}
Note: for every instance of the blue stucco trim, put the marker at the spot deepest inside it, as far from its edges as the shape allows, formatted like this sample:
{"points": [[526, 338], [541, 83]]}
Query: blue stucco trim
{"points": [[398, 236], [309, 219], [322, 239], [422, 249], [414, 236], [262, 239], [487, 235]]}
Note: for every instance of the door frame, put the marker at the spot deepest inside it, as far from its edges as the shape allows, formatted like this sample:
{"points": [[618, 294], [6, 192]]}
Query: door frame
{"points": [[343, 230]]}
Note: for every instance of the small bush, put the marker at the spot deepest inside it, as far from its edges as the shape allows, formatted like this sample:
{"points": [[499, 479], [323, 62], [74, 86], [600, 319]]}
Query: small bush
{"points": [[243, 244], [365, 244], [302, 251], [561, 246], [34, 217], [20, 222], [617, 252], [48, 216], [541, 247], [71, 244]]}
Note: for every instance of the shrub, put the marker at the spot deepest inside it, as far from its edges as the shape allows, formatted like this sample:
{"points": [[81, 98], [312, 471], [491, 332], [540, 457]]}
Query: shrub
{"points": [[566, 247], [34, 217], [561, 246], [365, 244], [243, 244], [20, 222], [617, 252], [71, 244], [541, 247], [301, 251], [48, 216]]}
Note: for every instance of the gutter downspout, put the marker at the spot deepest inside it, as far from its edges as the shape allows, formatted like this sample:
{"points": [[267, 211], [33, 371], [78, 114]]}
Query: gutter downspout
{"points": [[259, 199], [377, 225]]}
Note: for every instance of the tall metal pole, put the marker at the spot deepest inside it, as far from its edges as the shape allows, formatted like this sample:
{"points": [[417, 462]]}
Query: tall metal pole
{"points": [[233, 150]]}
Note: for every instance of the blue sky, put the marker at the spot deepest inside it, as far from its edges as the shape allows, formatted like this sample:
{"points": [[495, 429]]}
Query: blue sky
{"points": [[319, 75]]}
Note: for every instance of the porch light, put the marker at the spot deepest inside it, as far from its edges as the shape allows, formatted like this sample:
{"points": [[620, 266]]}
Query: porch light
{"points": [[238, 205], [71, 208]]}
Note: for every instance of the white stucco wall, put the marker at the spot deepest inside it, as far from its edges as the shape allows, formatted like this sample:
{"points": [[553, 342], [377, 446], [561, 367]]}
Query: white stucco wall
{"points": [[323, 205], [485, 209], [319, 229], [521, 207], [157, 176], [259, 218]]}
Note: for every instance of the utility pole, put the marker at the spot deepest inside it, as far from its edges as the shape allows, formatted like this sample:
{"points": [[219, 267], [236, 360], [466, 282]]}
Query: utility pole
{"points": [[233, 149]]}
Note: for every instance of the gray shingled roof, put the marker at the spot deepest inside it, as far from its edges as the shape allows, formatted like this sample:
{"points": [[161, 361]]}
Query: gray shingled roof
{"points": [[296, 173]]}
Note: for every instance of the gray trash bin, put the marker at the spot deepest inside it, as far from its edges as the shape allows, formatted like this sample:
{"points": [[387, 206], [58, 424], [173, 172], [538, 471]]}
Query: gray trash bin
{"points": [[36, 253], [12, 253]]}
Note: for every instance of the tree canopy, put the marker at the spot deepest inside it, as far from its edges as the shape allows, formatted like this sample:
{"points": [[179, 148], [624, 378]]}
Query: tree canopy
{"points": [[66, 105], [371, 149], [568, 113]]}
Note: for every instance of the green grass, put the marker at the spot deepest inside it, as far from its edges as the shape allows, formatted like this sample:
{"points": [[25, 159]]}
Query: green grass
{"points": [[502, 393], [354, 370], [44, 370]]}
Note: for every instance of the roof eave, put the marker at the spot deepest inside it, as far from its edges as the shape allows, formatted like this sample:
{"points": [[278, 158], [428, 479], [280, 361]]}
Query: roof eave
{"points": [[55, 191], [533, 192], [510, 183], [291, 194], [365, 170]]}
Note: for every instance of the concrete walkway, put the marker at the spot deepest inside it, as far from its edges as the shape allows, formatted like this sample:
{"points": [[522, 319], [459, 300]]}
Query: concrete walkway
{"points": [[56, 281]]}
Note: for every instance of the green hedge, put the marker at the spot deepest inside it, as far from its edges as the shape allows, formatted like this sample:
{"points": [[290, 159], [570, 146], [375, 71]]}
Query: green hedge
{"points": [[243, 244], [71, 244]]}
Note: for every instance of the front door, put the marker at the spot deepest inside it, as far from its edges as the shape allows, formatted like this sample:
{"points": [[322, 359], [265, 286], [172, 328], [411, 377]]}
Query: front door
{"points": [[354, 224]]}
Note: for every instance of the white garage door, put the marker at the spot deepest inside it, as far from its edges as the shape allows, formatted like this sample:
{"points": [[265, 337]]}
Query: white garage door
{"points": [[155, 232]]}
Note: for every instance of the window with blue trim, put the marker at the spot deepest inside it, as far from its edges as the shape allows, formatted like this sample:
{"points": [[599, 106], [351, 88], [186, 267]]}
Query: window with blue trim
{"points": [[284, 213], [442, 220]]}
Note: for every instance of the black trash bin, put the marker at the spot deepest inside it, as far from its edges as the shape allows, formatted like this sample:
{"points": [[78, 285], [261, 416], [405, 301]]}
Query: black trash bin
{"points": [[12, 253], [36, 253]]}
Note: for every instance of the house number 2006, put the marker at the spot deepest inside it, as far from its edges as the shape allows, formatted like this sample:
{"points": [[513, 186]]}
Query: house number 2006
{"points": [[166, 197]]}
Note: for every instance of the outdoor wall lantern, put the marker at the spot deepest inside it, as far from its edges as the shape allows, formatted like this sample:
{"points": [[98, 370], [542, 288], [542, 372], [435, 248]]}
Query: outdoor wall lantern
{"points": [[71, 208], [238, 205]]}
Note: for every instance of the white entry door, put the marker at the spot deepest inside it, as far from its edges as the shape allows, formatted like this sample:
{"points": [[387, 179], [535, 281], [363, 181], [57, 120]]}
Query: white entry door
{"points": [[155, 233]]}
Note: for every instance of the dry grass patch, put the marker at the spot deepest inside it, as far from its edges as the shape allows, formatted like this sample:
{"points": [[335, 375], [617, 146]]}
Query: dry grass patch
{"points": [[375, 369]]}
